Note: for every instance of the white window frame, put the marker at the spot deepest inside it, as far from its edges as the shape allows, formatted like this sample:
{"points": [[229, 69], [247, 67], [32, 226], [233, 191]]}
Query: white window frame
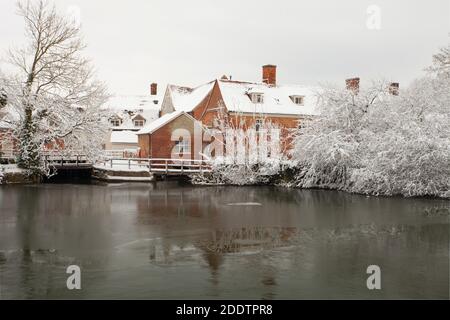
{"points": [[115, 122], [257, 98], [140, 122], [182, 147], [299, 100]]}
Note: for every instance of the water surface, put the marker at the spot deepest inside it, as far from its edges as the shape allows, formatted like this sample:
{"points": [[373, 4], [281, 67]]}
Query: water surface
{"points": [[175, 241]]}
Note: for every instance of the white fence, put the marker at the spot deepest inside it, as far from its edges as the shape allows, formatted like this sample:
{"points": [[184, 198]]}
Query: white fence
{"points": [[7, 154], [126, 153], [159, 165]]}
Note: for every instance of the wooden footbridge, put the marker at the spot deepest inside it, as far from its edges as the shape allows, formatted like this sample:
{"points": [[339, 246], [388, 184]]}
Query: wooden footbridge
{"points": [[156, 166], [159, 166]]}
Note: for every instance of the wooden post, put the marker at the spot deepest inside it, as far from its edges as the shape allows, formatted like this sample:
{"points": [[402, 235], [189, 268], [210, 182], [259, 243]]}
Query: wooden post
{"points": [[111, 160], [78, 157], [182, 169], [129, 164], [149, 165], [167, 167]]}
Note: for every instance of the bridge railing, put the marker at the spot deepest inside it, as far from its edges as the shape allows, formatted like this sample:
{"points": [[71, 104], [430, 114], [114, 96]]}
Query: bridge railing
{"points": [[159, 165], [59, 159], [7, 154], [125, 163], [125, 153]]}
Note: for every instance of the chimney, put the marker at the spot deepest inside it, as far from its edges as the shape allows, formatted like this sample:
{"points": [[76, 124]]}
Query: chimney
{"points": [[269, 75], [352, 85], [154, 89], [394, 88]]}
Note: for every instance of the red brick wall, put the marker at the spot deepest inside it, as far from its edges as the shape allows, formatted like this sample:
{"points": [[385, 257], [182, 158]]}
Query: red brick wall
{"points": [[211, 101], [160, 145], [144, 145], [269, 75], [206, 111], [6, 140]]}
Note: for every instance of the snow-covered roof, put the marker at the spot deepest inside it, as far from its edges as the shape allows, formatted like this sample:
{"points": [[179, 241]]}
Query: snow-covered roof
{"points": [[124, 137], [276, 99], [127, 107], [128, 116], [158, 123], [186, 99], [7, 117]]}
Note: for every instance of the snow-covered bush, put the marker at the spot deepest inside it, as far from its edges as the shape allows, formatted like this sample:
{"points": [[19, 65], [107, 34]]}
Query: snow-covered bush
{"points": [[378, 143], [231, 173]]}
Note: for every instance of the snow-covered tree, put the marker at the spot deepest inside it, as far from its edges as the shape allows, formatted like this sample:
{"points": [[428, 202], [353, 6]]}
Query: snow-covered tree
{"points": [[245, 152], [53, 90], [378, 143]]}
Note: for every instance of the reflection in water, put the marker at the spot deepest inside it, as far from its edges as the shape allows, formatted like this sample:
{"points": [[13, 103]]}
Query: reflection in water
{"points": [[249, 239], [168, 240]]}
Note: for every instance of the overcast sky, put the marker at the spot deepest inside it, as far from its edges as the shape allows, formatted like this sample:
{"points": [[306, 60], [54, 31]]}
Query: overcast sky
{"points": [[136, 42]]}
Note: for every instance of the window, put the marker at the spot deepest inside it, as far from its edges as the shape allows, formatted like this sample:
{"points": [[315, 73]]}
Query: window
{"points": [[139, 123], [115, 122], [257, 98], [258, 124], [298, 100], [182, 146]]}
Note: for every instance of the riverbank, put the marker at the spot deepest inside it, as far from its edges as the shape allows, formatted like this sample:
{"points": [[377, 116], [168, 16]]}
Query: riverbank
{"points": [[282, 175], [11, 174], [298, 176]]}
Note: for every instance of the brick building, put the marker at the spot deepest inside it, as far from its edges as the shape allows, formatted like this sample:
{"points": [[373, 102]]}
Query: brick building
{"points": [[7, 143], [242, 103], [129, 114]]}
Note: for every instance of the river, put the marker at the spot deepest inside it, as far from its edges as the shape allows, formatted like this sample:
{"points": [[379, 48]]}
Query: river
{"points": [[176, 241]]}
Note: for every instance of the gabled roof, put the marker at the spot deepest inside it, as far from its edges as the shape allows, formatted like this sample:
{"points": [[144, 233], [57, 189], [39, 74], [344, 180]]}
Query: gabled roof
{"points": [[277, 99], [138, 117], [158, 123], [185, 98]]}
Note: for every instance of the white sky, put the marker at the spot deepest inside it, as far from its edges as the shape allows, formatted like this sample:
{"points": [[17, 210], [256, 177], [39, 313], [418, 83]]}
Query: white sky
{"points": [[136, 42]]}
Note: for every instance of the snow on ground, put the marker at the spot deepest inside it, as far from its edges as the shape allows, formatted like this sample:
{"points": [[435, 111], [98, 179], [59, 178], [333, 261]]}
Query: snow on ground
{"points": [[10, 168]]}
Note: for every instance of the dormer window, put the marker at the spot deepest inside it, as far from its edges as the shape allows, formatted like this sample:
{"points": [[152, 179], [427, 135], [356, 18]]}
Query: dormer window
{"points": [[115, 122], [139, 123], [257, 97], [298, 100]]}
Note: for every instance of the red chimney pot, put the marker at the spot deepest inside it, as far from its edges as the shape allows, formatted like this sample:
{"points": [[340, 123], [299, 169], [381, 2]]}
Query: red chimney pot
{"points": [[269, 75], [154, 89]]}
